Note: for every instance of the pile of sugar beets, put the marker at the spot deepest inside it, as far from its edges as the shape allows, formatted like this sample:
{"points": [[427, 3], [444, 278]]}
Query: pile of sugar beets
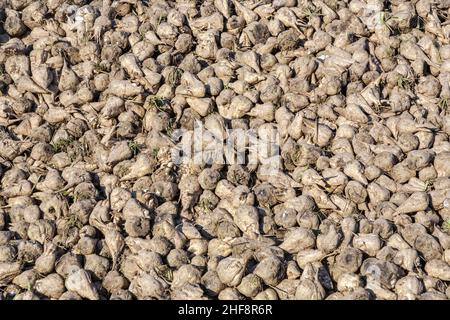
{"points": [[93, 205]]}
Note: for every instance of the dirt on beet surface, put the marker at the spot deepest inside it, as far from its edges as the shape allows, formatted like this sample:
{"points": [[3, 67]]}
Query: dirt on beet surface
{"points": [[224, 149]]}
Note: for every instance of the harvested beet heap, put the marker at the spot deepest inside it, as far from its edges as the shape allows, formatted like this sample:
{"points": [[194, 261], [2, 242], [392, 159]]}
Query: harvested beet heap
{"points": [[93, 204]]}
